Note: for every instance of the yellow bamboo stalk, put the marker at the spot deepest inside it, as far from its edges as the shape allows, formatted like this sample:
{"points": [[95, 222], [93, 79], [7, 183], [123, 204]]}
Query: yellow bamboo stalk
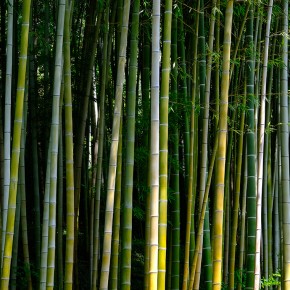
{"points": [[69, 254], [5, 275], [221, 154]]}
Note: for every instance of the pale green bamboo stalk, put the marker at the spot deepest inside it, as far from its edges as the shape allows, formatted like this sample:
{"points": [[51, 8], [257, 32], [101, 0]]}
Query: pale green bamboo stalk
{"points": [[277, 231], [7, 123], [114, 275], [251, 153], [70, 214], [54, 146], [130, 141], [261, 150], [59, 208], [242, 251], [5, 276], [163, 160], [154, 148], [44, 234], [104, 279]]}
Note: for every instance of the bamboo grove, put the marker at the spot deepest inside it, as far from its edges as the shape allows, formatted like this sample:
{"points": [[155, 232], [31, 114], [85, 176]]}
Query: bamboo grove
{"points": [[144, 144]]}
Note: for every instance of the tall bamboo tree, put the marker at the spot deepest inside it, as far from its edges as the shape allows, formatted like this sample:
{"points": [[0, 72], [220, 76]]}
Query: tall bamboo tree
{"points": [[130, 142], [104, 279], [68, 279], [154, 148], [163, 160], [7, 122], [54, 146], [261, 149], [219, 198], [251, 153], [284, 111], [16, 145]]}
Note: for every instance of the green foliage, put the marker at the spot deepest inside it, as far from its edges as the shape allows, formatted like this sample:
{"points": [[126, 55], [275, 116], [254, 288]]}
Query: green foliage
{"points": [[273, 280], [138, 213], [240, 280]]}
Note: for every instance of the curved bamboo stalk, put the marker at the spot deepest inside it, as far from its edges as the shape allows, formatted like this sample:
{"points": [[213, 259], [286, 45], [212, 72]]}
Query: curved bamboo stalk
{"points": [[5, 275]]}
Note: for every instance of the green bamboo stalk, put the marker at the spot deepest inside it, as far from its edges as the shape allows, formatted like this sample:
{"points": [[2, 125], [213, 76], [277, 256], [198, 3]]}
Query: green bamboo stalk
{"points": [[130, 145], [277, 231], [236, 205], [202, 215], [204, 152], [70, 214], [189, 235], [251, 153], [5, 275], [183, 90], [145, 78], [35, 161], [44, 234], [284, 111], [175, 232], [22, 192], [242, 250]]}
